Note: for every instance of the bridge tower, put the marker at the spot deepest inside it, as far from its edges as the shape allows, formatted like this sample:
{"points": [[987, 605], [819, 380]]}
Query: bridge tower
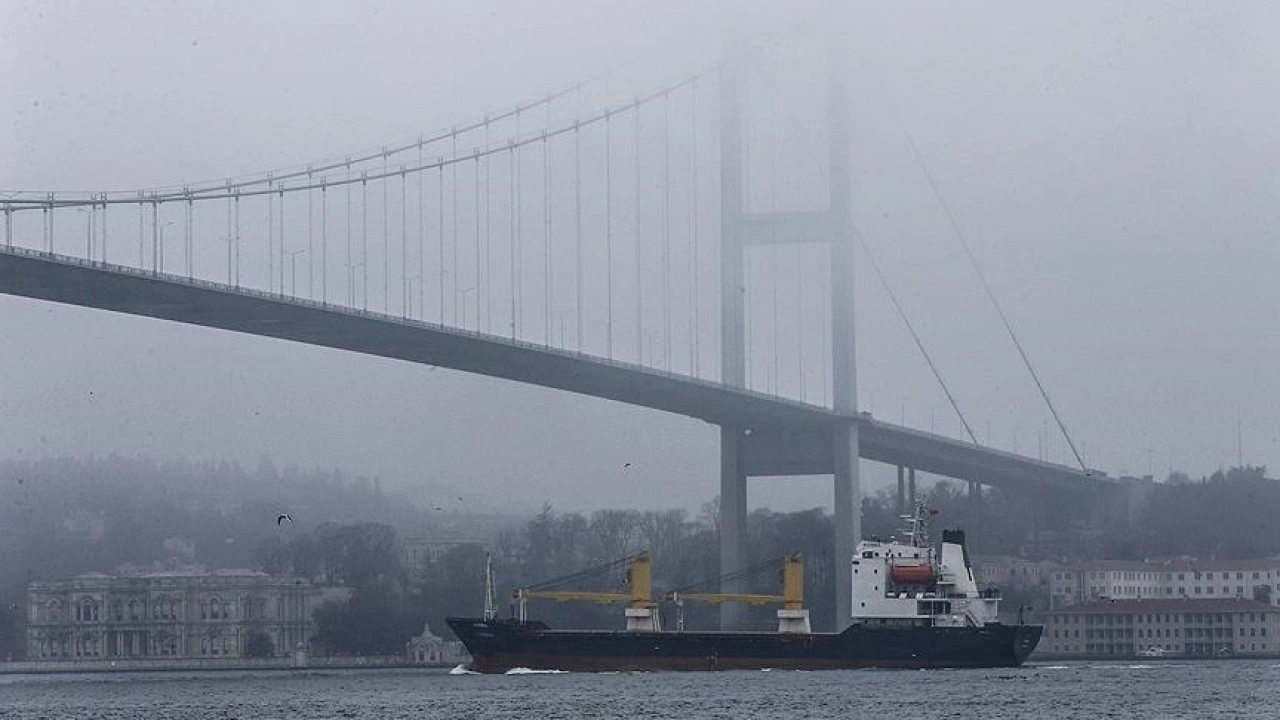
{"points": [[746, 451]]}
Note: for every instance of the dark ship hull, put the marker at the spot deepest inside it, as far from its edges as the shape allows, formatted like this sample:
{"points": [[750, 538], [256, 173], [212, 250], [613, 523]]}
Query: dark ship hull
{"points": [[497, 646]]}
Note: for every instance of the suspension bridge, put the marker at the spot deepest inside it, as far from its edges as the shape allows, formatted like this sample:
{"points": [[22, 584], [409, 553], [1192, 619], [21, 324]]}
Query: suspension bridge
{"points": [[628, 253]]}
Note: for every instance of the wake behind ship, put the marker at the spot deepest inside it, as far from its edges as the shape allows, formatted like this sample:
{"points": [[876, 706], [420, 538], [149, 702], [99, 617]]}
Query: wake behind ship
{"points": [[912, 608]]}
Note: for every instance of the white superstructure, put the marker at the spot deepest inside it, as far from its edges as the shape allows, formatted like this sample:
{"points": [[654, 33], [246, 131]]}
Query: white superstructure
{"points": [[907, 583]]}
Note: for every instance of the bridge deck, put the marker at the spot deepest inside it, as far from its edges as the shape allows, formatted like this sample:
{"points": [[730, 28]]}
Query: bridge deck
{"points": [[788, 437]]}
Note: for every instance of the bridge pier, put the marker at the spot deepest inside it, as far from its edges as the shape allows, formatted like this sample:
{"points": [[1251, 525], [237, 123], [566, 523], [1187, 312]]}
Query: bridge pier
{"points": [[733, 349], [844, 385], [733, 520], [906, 499], [975, 510], [902, 486], [975, 493], [847, 516], [911, 489]]}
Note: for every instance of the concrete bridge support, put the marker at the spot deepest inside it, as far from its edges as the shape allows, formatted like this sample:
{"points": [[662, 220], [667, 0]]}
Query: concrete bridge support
{"points": [[975, 512], [906, 499], [733, 478], [733, 518], [848, 490], [902, 490], [834, 225]]}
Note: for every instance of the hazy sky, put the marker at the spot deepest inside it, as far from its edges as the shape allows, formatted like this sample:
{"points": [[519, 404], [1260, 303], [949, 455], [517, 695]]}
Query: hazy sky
{"points": [[1114, 166]]}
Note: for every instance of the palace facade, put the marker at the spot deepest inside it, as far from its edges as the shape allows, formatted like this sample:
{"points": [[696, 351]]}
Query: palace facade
{"points": [[175, 614]]}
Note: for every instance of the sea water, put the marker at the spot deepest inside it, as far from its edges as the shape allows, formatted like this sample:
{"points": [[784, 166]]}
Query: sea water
{"points": [[1159, 689]]}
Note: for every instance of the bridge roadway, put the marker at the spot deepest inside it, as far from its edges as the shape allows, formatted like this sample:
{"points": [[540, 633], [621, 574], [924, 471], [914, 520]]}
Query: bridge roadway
{"points": [[781, 436]]}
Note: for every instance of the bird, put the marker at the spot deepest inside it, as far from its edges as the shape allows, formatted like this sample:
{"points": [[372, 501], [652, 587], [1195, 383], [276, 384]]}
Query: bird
{"points": [[626, 466], [436, 507], [282, 517]]}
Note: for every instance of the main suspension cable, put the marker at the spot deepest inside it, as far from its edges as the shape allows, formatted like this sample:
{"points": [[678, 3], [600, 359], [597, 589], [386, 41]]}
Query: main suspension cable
{"points": [[893, 298]]}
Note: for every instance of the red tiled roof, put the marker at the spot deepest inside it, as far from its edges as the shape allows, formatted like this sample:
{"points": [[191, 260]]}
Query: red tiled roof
{"points": [[1168, 605]]}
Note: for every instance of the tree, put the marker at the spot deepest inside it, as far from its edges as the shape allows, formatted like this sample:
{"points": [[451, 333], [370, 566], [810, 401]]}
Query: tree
{"points": [[377, 620], [259, 645], [273, 555]]}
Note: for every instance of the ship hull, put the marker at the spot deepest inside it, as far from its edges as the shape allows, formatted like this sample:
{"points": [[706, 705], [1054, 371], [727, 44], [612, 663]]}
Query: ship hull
{"points": [[497, 646]]}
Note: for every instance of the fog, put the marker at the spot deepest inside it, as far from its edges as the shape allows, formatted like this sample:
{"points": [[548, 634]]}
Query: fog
{"points": [[1114, 168]]}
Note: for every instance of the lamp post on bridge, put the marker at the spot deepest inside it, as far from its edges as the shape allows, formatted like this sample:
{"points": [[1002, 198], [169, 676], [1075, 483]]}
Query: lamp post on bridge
{"points": [[230, 241], [88, 231], [560, 320], [463, 294], [293, 269], [351, 282], [158, 253], [651, 335], [408, 290]]}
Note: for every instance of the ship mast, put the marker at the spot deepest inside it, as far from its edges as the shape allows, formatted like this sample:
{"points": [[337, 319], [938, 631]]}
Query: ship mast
{"points": [[490, 599], [915, 526]]}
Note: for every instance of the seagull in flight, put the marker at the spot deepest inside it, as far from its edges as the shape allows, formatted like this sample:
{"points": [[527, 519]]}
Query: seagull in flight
{"points": [[282, 517]]}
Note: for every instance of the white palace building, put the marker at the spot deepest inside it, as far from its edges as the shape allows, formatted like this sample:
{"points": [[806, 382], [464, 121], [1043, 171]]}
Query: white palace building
{"points": [[180, 614]]}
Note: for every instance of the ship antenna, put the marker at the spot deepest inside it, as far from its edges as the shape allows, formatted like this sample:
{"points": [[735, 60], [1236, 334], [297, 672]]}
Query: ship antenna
{"points": [[490, 602]]}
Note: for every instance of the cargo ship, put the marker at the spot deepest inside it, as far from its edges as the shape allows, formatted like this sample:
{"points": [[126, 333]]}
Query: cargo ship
{"points": [[914, 606]]}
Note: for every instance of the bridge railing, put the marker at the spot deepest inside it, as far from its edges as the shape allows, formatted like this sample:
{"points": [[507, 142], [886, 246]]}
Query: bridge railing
{"points": [[285, 298]]}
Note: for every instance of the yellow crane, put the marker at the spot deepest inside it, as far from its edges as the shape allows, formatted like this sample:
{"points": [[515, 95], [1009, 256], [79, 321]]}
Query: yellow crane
{"points": [[641, 610], [792, 616]]}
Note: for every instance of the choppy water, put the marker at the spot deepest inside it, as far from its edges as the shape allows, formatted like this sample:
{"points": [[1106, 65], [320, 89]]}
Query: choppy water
{"points": [[1225, 689]]}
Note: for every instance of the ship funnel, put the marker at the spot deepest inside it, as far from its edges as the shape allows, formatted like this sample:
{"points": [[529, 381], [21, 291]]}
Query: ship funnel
{"points": [[955, 563]]}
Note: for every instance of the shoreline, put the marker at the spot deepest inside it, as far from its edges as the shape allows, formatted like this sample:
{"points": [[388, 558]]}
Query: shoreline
{"points": [[161, 666]]}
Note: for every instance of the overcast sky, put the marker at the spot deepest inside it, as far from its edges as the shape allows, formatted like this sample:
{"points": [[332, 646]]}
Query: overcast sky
{"points": [[1114, 166]]}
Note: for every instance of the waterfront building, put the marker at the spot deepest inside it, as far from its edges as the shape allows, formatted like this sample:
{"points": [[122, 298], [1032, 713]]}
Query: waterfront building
{"points": [[179, 614], [1156, 628], [1004, 571], [1257, 579], [417, 553], [431, 649]]}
